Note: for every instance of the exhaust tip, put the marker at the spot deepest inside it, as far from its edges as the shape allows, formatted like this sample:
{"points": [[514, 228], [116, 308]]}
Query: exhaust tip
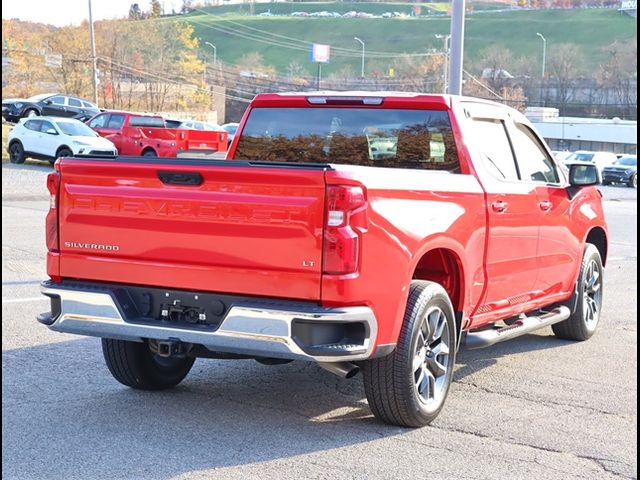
{"points": [[341, 369]]}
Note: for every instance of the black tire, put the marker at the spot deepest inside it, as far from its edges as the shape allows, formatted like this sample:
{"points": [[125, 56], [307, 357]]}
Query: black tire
{"points": [[149, 152], [16, 153], [606, 182], [133, 364], [63, 152], [582, 323], [633, 181], [392, 383]]}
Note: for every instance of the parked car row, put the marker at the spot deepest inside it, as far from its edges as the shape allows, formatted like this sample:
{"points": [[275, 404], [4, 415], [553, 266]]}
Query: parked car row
{"points": [[53, 104], [614, 168]]}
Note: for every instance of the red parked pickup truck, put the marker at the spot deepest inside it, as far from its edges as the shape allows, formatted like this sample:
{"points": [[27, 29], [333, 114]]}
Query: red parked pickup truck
{"points": [[362, 231], [147, 136]]}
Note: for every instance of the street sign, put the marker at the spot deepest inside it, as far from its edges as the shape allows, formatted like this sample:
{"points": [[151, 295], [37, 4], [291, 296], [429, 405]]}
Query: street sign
{"points": [[54, 61], [320, 53]]}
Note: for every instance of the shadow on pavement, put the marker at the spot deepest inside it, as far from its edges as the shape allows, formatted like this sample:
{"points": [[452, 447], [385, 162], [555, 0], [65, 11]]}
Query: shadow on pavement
{"points": [[225, 413]]}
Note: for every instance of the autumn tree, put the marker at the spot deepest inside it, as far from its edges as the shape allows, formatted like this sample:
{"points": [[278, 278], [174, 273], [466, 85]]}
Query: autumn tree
{"points": [[156, 9]]}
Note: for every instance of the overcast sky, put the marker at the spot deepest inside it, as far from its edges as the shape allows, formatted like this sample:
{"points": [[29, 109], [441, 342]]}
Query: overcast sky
{"points": [[66, 12]]}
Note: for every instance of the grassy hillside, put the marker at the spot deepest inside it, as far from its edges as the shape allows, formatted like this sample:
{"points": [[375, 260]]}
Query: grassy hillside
{"points": [[283, 39]]}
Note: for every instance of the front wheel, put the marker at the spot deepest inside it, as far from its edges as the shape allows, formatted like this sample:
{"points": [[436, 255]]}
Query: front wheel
{"points": [[16, 153], [409, 386], [135, 365], [633, 181], [582, 323]]}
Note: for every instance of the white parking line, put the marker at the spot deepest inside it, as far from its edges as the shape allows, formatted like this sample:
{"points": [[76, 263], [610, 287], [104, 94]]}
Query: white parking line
{"points": [[24, 300]]}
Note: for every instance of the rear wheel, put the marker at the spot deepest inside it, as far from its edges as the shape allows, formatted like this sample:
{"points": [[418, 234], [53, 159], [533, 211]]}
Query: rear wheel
{"points": [[16, 153], [633, 181], [134, 364], [149, 153], [409, 386], [583, 322]]}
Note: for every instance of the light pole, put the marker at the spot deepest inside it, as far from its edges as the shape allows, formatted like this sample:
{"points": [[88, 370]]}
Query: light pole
{"points": [[446, 58], [544, 61], [215, 52], [457, 47], [544, 52], [362, 68]]}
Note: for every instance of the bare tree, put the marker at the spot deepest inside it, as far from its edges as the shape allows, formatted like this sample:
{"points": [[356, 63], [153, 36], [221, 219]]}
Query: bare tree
{"points": [[566, 64], [620, 74]]}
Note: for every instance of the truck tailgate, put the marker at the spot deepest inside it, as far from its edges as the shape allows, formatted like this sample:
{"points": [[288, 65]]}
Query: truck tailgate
{"points": [[223, 226]]}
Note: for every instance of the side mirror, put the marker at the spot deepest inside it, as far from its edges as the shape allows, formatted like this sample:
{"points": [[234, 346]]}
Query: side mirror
{"points": [[47, 102], [584, 175], [51, 131]]}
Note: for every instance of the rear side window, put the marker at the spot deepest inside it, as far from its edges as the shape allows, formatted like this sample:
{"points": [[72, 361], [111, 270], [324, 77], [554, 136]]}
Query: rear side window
{"points": [[146, 122], [395, 138], [73, 102], [33, 125]]}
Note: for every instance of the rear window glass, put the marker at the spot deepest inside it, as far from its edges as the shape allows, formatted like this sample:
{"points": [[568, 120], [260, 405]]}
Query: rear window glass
{"points": [[146, 122], [355, 136]]}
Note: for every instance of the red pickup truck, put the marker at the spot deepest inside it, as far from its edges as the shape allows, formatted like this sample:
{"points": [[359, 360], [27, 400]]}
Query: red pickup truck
{"points": [[146, 135], [368, 232]]}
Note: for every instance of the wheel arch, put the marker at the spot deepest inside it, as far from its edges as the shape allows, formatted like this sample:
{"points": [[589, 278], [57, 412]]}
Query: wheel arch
{"points": [[444, 266], [148, 148], [63, 147], [598, 237]]}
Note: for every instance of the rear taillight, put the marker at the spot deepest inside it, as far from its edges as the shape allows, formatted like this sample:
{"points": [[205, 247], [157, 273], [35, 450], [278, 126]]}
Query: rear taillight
{"points": [[341, 240], [53, 185]]}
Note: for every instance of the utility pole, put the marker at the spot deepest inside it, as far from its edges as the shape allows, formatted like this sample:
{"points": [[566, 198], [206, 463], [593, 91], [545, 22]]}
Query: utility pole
{"points": [[93, 57], [362, 67], [457, 47], [446, 39]]}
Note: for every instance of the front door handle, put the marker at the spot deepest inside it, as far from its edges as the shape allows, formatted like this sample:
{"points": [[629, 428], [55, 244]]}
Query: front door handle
{"points": [[499, 206], [545, 205]]}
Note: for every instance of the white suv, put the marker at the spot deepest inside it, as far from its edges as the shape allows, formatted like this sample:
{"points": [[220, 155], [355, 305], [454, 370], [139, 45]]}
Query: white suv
{"points": [[600, 159], [49, 138]]}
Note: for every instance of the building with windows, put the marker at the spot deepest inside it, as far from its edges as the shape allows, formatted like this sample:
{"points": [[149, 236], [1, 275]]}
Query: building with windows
{"points": [[576, 133]]}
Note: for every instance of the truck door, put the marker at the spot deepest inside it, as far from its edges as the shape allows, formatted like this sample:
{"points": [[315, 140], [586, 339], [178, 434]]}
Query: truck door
{"points": [[513, 222], [559, 249]]}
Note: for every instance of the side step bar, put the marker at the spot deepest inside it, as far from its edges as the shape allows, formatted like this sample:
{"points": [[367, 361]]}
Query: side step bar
{"points": [[522, 326]]}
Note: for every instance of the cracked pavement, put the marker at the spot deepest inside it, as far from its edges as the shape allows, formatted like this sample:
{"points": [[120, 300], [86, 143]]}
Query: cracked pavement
{"points": [[535, 407]]}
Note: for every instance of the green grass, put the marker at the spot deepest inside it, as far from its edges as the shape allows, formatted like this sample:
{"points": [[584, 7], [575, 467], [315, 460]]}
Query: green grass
{"points": [[592, 30]]}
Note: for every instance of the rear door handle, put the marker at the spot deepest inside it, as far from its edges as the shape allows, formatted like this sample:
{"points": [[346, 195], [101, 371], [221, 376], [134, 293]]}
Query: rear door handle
{"points": [[545, 205], [181, 178], [499, 206]]}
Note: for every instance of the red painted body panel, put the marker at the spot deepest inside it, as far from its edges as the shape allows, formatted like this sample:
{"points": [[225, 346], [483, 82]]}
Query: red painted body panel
{"points": [[257, 230]]}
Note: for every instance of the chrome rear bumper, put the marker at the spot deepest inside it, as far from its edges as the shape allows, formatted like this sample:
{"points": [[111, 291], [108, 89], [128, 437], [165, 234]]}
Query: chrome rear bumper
{"points": [[247, 328]]}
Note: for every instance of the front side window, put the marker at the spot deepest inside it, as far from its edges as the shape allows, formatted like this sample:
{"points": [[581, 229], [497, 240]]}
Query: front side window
{"points": [[490, 140], [533, 161], [99, 122], [395, 138], [116, 120], [59, 100], [47, 126]]}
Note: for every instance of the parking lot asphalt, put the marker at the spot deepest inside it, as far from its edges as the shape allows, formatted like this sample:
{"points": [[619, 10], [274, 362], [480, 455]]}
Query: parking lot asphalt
{"points": [[534, 407]]}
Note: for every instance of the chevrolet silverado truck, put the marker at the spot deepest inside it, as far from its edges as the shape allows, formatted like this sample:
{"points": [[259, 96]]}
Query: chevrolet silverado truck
{"points": [[366, 232], [148, 136]]}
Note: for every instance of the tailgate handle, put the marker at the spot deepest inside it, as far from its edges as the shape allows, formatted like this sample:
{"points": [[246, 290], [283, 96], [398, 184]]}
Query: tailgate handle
{"points": [[180, 178]]}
